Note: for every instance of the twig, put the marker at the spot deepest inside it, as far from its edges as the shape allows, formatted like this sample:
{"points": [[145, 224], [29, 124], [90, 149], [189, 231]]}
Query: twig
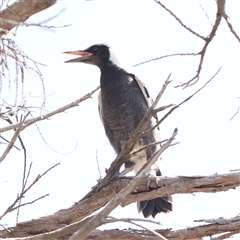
{"points": [[24, 182], [21, 195], [166, 56], [184, 101], [220, 13], [129, 220], [231, 27], [181, 23], [100, 176], [134, 152], [45, 141], [11, 143], [206, 14], [28, 203], [10, 50], [29, 122], [235, 114]]}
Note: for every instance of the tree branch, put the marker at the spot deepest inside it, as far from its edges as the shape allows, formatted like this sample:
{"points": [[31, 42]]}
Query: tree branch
{"points": [[24, 191], [179, 20], [231, 226], [220, 13], [14, 138], [165, 186], [19, 12], [29, 122]]}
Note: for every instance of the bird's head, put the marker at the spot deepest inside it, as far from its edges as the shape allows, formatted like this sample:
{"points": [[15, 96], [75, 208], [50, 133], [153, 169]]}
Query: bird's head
{"points": [[97, 55]]}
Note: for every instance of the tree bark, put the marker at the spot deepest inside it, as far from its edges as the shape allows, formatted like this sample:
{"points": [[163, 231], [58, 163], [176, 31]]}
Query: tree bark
{"points": [[19, 12], [97, 199]]}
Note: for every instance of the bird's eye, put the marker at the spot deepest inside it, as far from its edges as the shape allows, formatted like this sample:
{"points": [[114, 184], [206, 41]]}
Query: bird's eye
{"points": [[95, 49]]}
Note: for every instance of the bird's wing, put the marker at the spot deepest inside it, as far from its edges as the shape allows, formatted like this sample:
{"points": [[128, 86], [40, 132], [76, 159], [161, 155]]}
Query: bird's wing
{"points": [[100, 105], [144, 90], [145, 93]]}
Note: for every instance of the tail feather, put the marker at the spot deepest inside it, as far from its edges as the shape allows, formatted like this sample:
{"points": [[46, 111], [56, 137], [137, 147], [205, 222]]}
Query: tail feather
{"points": [[155, 206]]}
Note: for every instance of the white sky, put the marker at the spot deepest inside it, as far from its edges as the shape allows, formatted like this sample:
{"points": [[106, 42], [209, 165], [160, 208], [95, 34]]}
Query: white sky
{"points": [[140, 30]]}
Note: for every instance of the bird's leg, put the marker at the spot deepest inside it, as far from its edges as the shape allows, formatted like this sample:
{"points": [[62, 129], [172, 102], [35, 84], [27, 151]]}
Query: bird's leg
{"points": [[154, 172]]}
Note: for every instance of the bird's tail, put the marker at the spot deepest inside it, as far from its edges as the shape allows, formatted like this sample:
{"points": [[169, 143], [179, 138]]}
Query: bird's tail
{"points": [[155, 206]]}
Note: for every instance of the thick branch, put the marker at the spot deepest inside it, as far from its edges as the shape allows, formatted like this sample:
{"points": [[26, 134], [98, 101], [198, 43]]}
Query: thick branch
{"points": [[213, 183], [194, 233], [20, 11]]}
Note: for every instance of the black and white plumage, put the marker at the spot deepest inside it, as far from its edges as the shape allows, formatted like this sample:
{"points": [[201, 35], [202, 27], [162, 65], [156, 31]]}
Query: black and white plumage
{"points": [[123, 102]]}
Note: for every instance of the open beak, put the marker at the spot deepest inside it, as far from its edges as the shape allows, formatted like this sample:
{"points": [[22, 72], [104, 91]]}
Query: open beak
{"points": [[84, 56]]}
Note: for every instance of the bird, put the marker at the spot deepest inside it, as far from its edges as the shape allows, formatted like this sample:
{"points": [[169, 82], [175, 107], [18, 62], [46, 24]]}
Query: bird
{"points": [[123, 102]]}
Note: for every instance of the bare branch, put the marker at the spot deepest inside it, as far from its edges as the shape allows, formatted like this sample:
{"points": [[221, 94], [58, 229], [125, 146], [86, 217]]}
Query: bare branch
{"points": [[29, 122], [166, 56], [14, 138], [231, 27], [66, 220], [24, 181], [21, 195], [235, 114], [178, 105], [132, 221], [181, 23], [29, 203], [204, 49], [22, 62], [220, 13]]}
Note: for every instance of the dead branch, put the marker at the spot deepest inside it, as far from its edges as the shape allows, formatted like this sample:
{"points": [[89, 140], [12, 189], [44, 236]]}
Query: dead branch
{"points": [[11, 51], [220, 13], [230, 227], [14, 138], [10, 17], [20, 11], [166, 56], [24, 181], [179, 20], [220, 5], [29, 122], [178, 105], [24, 191], [231, 27], [166, 186], [235, 114], [133, 221]]}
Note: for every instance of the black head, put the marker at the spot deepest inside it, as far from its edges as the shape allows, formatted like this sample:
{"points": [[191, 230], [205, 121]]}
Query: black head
{"points": [[96, 55]]}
